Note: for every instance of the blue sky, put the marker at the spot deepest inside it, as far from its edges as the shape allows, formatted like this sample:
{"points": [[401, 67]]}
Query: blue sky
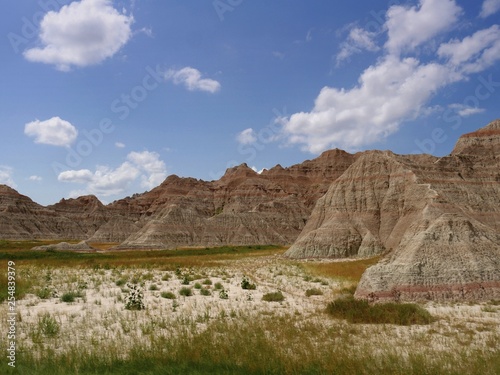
{"points": [[109, 97]]}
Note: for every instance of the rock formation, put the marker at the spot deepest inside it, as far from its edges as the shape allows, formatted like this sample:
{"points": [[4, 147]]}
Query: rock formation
{"points": [[80, 246], [438, 219]]}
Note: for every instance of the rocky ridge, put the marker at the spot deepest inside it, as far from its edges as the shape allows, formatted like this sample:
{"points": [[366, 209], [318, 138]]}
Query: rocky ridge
{"points": [[437, 218], [435, 221]]}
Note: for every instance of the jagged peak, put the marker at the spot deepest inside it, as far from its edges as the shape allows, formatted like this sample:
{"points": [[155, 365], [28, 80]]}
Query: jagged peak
{"points": [[242, 170], [6, 189], [485, 139]]}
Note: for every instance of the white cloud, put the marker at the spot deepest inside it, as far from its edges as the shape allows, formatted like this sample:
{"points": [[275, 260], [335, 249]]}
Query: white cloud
{"points": [[6, 176], [35, 178], [410, 27], [54, 131], [466, 111], [387, 93], [150, 163], [357, 41], [396, 88], [247, 136], [80, 176], [489, 7], [119, 145], [191, 79], [474, 53], [106, 181], [82, 33]]}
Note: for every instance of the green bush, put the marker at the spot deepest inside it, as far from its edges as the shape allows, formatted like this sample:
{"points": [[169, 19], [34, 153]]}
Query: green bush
{"points": [[69, 297], [44, 293], [313, 292], [360, 311], [168, 295], [153, 287], [223, 294], [218, 286], [207, 282], [273, 297], [197, 286], [48, 325], [186, 292], [205, 292], [120, 282], [246, 284], [134, 300]]}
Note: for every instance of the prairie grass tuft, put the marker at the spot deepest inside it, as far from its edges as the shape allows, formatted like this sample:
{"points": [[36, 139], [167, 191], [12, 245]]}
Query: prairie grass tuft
{"points": [[360, 311], [273, 297]]}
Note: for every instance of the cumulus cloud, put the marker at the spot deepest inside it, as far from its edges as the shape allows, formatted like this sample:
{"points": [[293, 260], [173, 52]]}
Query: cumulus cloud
{"points": [[247, 136], [473, 53], [82, 33], [106, 181], [387, 93], [6, 176], [154, 169], [54, 131], [192, 79], [489, 7], [120, 145], [410, 27], [398, 87], [35, 178], [358, 40]]}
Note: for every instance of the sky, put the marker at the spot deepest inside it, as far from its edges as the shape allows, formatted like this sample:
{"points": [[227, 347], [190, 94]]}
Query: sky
{"points": [[109, 97]]}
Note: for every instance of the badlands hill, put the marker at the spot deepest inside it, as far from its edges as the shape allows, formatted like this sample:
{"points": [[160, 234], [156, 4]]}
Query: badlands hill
{"points": [[241, 208], [436, 221]]}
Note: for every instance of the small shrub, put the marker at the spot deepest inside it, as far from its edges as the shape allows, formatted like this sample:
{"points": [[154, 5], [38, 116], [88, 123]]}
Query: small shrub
{"points": [[205, 292], [245, 284], [48, 325], [168, 295], [120, 282], [197, 286], [186, 280], [218, 286], [186, 292], [153, 287], [207, 282], [166, 277], [360, 311], [313, 292], [273, 297], [223, 294], [44, 293], [134, 300], [71, 296]]}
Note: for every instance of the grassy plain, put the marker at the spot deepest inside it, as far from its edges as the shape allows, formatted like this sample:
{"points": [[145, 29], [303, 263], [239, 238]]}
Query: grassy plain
{"points": [[130, 312]]}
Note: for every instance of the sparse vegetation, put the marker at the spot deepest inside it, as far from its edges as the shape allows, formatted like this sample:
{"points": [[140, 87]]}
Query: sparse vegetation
{"points": [[240, 335], [186, 292], [246, 284], [135, 298], [273, 297], [359, 311], [168, 295], [313, 292]]}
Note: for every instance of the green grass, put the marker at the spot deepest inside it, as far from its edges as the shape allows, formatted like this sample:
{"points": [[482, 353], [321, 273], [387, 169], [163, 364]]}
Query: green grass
{"points": [[273, 297], [270, 345], [186, 292], [19, 251], [359, 311], [168, 295], [313, 292]]}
